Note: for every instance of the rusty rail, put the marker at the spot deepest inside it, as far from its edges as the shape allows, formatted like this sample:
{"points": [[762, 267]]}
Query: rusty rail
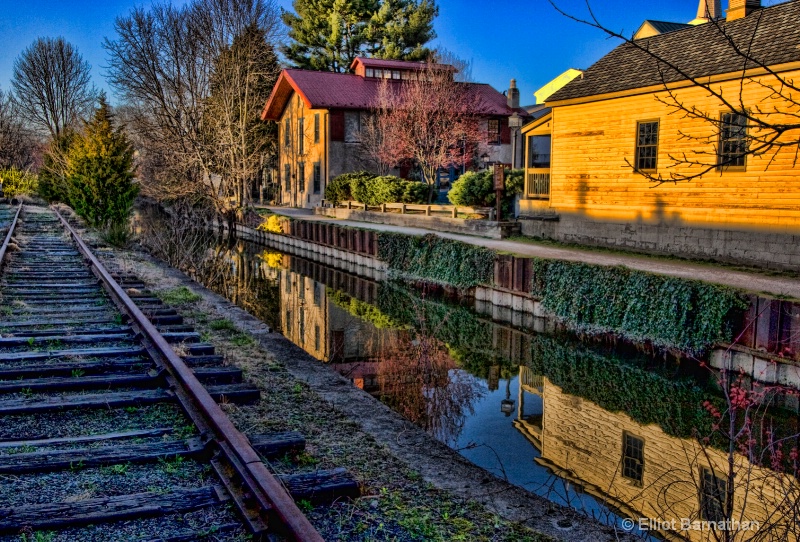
{"points": [[9, 235], [256, 492]]}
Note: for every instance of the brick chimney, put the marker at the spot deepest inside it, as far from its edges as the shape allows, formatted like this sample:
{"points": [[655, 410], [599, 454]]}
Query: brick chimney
{"points": [[513, 95], [741, 8]]}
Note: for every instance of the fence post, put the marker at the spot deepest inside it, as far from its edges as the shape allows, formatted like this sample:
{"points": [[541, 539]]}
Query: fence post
{"points": [[349, 204], [402, 208], [428, 210], [455, 211], [383, 207], [366, 208]]}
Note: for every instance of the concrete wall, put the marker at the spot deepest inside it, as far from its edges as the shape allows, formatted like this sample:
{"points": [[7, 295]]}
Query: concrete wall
{"points": [[763, 248]]}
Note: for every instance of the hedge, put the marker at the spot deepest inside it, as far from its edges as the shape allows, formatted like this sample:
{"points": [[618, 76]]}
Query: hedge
{"points": [[374, 190]]}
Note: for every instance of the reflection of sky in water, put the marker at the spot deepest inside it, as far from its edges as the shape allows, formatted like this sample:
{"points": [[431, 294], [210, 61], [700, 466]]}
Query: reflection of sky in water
{"points": [[464, 413]]}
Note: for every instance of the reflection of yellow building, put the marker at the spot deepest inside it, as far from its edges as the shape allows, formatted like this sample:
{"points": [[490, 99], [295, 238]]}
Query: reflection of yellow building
{"points": [[640, 470]]}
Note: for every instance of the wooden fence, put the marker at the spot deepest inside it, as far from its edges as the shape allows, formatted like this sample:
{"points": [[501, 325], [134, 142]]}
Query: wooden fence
{"points": [[451, 211]]}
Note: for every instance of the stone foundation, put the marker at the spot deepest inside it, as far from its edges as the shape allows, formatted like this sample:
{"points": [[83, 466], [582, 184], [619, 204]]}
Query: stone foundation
{"points": [[757, 248]]}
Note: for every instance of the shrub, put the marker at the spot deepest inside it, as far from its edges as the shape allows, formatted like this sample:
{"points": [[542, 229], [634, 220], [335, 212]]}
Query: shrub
{"points": [[17, 183], [273, 224], [476, 189], [367, 188], [339, 189]]}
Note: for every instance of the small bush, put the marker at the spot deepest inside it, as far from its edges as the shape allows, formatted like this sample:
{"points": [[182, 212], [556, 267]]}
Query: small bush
{"points": [[117, 234], [339, 189], [476, 189], [272, 224], [18, 183]]}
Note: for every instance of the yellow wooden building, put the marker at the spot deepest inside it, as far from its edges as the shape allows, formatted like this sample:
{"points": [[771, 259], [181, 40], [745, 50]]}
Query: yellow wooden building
{"points": [[637, 153]]}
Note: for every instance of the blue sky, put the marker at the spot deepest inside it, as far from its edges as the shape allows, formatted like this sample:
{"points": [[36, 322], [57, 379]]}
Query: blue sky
{"points": [[524, 39]]}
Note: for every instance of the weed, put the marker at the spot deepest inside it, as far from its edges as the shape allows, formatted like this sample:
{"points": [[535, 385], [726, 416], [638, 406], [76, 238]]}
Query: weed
{"points": [[242, 340], [305, 460], [174, 466], [118, 319], [305, 505], [178, 296], [297, 389], [31, 341], [77, 373], [222, 324], [185, 431], [120, 468], [27, 392], [38, 536], [22, 449]]}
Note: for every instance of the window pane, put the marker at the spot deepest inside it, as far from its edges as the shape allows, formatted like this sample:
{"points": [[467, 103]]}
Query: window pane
{"points": [[646, 145], [713, 496], [632, 458], [539, 151], [733, 140]]}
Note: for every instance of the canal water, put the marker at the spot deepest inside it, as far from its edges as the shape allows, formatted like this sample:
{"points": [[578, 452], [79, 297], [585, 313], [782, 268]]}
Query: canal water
{"points": [[611, 430]]}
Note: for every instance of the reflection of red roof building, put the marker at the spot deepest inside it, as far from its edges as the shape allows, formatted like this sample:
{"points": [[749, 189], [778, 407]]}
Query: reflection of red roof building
{"points": [[320, 115]]}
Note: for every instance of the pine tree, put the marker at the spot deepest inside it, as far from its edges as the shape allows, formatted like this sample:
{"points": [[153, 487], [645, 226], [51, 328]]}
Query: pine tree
{"points": [[100, 172], [329, 34]]}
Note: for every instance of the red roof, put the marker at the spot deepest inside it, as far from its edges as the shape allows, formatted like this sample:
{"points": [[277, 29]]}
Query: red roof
{"points": [[329, 90]]}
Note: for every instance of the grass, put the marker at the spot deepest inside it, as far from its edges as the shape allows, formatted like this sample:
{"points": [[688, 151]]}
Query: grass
{"points": [[222, 324], [178, 296]]}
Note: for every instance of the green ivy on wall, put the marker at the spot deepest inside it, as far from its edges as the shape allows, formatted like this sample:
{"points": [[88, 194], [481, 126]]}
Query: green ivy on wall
{"points": [[435, 259], [667, 311]]}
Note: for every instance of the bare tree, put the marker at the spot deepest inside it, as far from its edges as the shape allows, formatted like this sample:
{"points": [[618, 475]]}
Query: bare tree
{"points": [[244, 75], [430, 120], [764, 119], [52, 85], [18, 146], [172, 68]]}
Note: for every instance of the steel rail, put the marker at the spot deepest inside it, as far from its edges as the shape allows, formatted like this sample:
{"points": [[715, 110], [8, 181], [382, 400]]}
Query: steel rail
{"points": [[264, 493], [9, 235]]}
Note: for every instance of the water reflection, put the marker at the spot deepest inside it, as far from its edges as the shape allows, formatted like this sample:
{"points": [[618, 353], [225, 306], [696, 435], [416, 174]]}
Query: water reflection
{"points": [[600, 428]]}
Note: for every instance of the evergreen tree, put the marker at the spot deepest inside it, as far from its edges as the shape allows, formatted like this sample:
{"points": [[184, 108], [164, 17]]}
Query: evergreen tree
{"points": [[100, 172], [329, 34]]}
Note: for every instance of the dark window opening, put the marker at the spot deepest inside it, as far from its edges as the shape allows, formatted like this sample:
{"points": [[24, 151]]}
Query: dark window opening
{"points": [[300, 136], [646, 146], [493, 133], [632, 458], [301, 176], [732, 140], [713, 496], [317, 177], [316, 128]]}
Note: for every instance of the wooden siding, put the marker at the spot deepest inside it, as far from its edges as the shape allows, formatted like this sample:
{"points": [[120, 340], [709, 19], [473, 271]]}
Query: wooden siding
{"points": [[589, 173]]}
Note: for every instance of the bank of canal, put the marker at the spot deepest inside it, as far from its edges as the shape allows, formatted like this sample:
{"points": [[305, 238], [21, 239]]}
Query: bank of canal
{"points": [[601, 427]]}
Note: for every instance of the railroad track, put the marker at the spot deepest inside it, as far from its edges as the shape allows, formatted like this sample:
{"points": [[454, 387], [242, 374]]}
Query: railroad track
{"points": [[110, 427]]}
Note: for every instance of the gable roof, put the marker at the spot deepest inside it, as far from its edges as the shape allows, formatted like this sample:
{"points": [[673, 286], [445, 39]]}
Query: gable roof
{"points": [[661, 27], [330, 90], [772, 34]]}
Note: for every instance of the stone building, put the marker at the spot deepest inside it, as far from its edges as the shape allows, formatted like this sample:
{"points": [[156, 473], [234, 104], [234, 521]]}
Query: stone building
{"points": [[320, 115]]}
